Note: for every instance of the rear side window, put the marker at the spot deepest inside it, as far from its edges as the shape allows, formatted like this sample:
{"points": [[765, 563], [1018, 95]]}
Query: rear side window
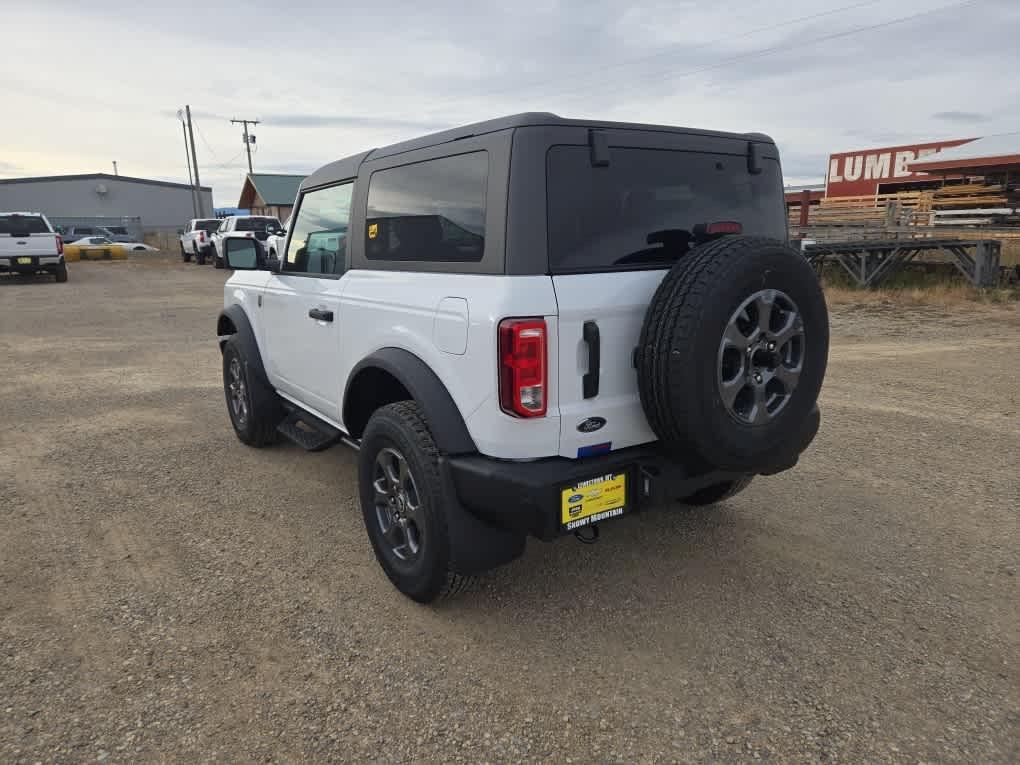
{"points": [[22, 225], [651, 206], [208, 225], [429, 211]]}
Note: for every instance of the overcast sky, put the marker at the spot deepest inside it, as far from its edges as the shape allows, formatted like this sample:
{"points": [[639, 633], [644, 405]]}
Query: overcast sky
{"points": [[88, 83]]}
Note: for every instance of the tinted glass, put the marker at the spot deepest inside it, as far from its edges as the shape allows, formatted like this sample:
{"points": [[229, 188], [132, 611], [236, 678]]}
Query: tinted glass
{"points": [[241, 253], [207, 225], [318, 240], [429, 211], [649, 206], [255, 224], [118, 230], [22, 225]]}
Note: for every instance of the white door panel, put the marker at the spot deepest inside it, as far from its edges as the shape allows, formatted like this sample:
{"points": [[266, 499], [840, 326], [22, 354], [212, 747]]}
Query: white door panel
{"points": [[583, 298], [303, 358]]}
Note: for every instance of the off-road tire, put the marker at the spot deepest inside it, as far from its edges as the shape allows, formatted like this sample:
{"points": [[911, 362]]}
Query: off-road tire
{"points": [[718, 493], [200, 256], [61, 273], [185, 255], [677, 354], [431, 575], [264, 411], [217, 261]]}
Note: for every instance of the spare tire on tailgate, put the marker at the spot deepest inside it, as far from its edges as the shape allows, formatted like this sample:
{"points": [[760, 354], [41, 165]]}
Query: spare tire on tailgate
{"points": [[732, 355]]}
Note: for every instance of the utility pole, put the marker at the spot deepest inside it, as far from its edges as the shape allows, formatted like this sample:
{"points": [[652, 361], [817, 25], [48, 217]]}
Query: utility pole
{"points": [[248, 139], [194, 162], [187, 158], [115, 168]]}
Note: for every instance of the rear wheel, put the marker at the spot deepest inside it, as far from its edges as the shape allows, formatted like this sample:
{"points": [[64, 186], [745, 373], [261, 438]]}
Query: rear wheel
{"points": [[217, 260], [404, 501], [185, 255], [61, 272], [200, 256]]}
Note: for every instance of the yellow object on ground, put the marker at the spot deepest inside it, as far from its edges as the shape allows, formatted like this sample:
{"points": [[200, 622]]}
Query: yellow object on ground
{"points": [[74, 252]]}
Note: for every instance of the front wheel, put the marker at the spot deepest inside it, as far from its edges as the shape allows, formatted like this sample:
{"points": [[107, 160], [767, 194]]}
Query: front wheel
{"points": [[217, 260], [254, 409], [404, 501]]}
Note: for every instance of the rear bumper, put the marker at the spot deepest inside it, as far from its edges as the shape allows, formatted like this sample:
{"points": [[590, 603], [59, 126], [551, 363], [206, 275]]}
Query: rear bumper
{"points": [[526, 496], [10, 264]]}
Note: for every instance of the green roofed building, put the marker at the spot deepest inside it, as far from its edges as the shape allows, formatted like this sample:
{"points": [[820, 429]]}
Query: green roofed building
{"points": [[270, 194]]}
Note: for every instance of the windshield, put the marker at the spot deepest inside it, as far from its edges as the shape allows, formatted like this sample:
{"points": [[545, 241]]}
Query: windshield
{"points": [[256, 224], [650, 206], [22, 225]]}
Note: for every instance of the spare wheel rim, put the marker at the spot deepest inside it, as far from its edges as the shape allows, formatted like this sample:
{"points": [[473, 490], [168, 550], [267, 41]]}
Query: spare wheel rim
{"points": [[760, 357]]}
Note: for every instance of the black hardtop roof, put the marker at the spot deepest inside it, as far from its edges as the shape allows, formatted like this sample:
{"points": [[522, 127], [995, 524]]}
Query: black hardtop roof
{"points": [[348, 167]]}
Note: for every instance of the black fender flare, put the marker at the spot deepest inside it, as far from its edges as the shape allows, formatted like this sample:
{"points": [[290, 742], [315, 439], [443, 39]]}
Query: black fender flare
{"points": [[444, 419], [246, 336]]}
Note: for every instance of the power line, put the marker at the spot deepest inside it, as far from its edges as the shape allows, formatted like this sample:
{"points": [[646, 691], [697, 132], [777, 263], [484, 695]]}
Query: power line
{"points": [[202, 136], [812, 41], [672, 52]]}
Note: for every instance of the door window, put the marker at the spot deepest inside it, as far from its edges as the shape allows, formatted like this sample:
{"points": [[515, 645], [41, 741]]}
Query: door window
{"points": [[318, 237]]}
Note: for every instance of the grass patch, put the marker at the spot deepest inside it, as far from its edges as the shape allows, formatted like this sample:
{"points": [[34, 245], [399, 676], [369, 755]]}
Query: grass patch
{"points": [[941, 288]]}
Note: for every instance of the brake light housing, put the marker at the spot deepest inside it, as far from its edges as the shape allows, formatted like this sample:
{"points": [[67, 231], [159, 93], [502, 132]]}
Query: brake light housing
{"points": [[523, 367], [201, 236], [724, 227], [60, 245]]}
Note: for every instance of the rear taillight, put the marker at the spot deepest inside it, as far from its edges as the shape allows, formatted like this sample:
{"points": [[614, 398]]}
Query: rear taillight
{"points": [[60, 245], [201, 236], [523, 374]]}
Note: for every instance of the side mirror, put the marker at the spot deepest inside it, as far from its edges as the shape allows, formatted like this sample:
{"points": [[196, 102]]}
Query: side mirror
{"points": [[243, 254], [273, 264]]}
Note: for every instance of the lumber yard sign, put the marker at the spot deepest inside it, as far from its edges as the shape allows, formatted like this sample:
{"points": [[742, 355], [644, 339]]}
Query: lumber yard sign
{"points": [[859, 173]]}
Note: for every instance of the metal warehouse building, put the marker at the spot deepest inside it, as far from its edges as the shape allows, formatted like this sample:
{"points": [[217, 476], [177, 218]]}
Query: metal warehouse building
{"points": [[101, 198]]}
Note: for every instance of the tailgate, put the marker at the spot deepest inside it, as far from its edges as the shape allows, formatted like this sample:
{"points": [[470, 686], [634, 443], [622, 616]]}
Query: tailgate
{"points": [[609, 411], [13, 245]]}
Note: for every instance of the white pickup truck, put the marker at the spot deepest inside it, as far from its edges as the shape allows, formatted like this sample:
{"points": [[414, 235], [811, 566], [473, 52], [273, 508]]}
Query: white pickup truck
{"points": [[28, 245], [196, 239]]}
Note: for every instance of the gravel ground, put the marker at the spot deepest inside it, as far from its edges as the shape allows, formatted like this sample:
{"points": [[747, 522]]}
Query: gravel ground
{"points": [[169, 594]]}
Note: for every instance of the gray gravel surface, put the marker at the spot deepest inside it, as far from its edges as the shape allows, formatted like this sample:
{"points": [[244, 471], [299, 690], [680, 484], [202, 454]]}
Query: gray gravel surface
{"points": [[169, 594]]}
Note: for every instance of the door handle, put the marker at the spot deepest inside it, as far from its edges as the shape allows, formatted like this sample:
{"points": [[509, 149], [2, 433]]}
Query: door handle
{"points": [[320, 314], [590, 381]]}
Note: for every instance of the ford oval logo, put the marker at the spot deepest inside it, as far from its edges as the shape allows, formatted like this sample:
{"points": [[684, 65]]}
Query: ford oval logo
{"points": [[575, 498], [591, 424]]}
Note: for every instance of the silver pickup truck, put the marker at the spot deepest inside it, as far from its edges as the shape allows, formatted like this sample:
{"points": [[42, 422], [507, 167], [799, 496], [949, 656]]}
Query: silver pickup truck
{"points": [[28, 245]]}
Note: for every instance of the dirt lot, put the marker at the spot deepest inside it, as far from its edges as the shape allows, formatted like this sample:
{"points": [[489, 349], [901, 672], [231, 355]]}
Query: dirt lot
{"points": [[168, 594]]}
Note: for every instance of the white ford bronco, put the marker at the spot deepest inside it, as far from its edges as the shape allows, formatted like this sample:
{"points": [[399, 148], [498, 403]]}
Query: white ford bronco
{"points": [[528, 327]]}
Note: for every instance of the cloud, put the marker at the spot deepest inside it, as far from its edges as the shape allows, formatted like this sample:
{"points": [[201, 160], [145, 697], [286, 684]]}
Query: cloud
{"points": [[961, 117]]}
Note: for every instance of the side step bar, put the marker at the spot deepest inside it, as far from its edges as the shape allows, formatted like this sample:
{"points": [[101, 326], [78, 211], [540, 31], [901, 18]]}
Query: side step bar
{"points": [[311, 433]]}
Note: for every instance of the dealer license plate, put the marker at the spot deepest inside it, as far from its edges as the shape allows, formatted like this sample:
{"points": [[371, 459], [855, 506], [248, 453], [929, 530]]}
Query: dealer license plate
{"points": [[24, 261], [594, 500]]}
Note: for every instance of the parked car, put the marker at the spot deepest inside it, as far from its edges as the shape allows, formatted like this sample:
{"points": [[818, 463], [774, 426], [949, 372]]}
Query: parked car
{"points": [[530, 326], [275, 241], [29, 245], [258, 227], [196, 240]]}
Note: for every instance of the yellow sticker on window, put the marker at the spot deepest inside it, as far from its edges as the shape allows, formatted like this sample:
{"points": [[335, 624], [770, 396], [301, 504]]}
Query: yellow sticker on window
{"points": [[373, 230]]}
